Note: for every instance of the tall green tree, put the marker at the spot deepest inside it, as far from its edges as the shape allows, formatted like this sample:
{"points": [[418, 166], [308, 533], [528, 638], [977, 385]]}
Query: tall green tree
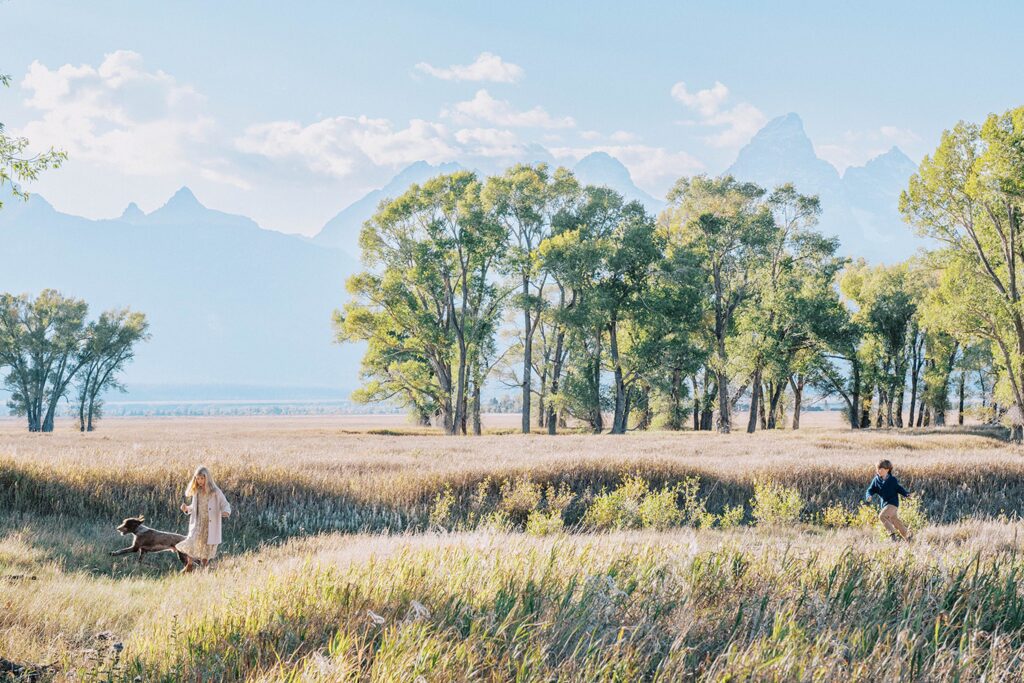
{"points": [[573, 257], [969, 196], [431, 295], [109, 346], [727, 225], [525, 200], [633, 250], [41, 343]]}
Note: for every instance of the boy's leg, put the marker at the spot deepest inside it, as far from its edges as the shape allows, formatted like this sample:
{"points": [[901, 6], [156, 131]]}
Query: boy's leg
{"points": [[893, 524]]}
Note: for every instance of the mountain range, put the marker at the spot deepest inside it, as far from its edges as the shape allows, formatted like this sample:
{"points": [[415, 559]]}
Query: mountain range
{"points": [[234, 305], [861, 206]]}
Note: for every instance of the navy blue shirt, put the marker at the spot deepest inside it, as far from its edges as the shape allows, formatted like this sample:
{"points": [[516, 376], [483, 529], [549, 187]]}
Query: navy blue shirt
{"points": [[888, 489]]}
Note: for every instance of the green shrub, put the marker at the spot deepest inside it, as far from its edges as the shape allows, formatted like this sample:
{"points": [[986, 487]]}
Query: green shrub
{"points": [[774, 503], [835, 516], [866, 517], [618, 509], [541, 523], [658, 509], [519, 497], [912, 513], [551, 520], [694, 507], [731, 517], [441, 512]]}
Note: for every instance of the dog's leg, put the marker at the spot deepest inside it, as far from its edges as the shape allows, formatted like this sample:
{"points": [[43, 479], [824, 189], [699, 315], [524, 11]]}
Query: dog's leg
{"points": [[182, 557], [124, 551]]}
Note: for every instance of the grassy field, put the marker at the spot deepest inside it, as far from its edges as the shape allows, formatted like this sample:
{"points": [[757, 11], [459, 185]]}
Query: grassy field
{"points": [[367, 550]]}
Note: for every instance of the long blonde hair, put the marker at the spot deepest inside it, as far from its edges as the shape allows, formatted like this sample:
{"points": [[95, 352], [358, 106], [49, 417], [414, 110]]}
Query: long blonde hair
{"points": [[211, 485]]}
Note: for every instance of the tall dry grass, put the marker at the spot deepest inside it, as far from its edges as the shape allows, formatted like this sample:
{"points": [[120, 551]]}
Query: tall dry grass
{"points": [[291, 599]]}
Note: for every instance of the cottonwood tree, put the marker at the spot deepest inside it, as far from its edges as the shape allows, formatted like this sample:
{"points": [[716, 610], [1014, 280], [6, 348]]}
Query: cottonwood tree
{"points": [[41, 343], [727, 225], [109, 345], [572, 256], [431, 299], [631, 253], [886, 306], [969, 195], [525, 201], [17, 164]]}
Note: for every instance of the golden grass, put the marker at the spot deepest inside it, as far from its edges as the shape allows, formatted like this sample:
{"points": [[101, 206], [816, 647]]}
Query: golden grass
{"points": [[64, 601]]}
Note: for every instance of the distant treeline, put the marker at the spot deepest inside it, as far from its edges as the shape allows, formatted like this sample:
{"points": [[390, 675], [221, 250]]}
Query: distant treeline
{"points": [[732, 296]]}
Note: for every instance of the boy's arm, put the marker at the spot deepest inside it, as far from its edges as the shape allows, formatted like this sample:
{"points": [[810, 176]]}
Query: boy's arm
{"points": [[902, 491], [872, 489]]}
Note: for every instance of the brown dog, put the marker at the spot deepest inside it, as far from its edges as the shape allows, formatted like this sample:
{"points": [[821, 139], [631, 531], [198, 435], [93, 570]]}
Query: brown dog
{"points": [[149, 540]]}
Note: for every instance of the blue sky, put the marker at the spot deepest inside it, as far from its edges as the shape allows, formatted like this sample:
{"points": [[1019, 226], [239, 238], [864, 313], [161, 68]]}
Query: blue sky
{"points": [[289, 111]]}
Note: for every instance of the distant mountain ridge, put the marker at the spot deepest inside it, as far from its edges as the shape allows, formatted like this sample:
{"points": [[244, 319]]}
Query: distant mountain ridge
{"points": [[234, 305], [861, 207], [228, 302]]}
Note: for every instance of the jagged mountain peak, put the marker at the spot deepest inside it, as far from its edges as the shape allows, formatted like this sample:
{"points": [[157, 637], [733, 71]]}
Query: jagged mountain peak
{"points": [[132, 212]]}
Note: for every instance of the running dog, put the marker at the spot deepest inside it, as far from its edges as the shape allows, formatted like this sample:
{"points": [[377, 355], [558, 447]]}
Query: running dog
{"points": [[149, 540]]}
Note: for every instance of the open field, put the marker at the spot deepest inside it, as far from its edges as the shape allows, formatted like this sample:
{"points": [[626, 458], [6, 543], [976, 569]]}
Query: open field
{"points": [[373, 551]]}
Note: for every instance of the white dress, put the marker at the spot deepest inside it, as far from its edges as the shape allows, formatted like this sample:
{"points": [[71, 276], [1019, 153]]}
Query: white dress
{"points": [[196, 545]]}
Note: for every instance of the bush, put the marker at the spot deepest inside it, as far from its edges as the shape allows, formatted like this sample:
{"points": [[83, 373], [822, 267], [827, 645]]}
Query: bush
{"points": [[618, 509], [441, 513], [519, 497], [835, 516], [865, 518], [541, 523], [658, 510], [912, 513], [731, 517], [551, 520], [694, 507], [774, 503]]}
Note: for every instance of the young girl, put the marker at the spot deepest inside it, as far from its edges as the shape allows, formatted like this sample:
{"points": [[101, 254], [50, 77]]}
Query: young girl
{"points": [[208, 507]]}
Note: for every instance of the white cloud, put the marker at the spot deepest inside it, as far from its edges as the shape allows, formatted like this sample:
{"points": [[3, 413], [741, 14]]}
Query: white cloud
{"points": [[338, 145], [654, 169], [485, 108], [855, 148], [705, 102], [117, 114], [489, 142], [487, 67], [736, 124]]}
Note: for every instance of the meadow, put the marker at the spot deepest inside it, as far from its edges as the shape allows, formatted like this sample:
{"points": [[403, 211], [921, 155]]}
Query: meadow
{"points": [[370, 550]]}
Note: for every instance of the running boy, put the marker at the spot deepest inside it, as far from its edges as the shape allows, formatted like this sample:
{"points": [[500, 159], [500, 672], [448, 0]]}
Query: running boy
{"points": [[886, 487]]}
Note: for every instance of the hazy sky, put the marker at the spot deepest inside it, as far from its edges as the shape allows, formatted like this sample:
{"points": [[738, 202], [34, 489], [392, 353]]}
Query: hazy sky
{"points": [[288, 111]]}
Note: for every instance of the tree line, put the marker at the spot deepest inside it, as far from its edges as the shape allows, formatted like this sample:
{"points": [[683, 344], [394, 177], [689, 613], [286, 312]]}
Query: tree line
{"points": [[51, 352], [730, 298]]}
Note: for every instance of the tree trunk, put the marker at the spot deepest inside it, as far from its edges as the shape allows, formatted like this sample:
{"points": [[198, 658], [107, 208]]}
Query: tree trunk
{"points": [[724, 420], [541, 410], [621, 409], [855, 394], [773, 411], [696, 405], [556, 376], [527, 354], [755, 399], [798, 397], [761, 409], [598, 418], [477, 423], [963, 392]]}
